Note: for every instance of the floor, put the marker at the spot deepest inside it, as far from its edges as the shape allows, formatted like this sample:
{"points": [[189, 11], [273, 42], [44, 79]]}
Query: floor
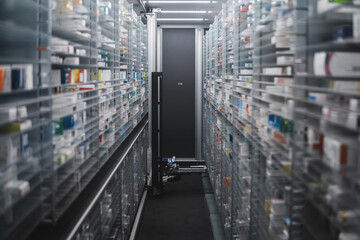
{"points": [[180, 213]]}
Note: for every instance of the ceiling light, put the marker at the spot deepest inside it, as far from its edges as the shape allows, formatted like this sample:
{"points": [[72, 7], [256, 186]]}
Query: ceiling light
{"points": [[187, 2], [186, 11], [181, 19]]}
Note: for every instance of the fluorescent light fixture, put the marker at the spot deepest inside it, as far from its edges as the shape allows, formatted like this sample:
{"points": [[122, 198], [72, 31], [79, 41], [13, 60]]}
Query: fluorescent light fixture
{"points": [[182, 19], [186, 11], [186, 2]]}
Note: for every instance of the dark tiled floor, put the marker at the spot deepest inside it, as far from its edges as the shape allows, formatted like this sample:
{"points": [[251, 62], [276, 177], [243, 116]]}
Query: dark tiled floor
{"points": [[180, 214]]}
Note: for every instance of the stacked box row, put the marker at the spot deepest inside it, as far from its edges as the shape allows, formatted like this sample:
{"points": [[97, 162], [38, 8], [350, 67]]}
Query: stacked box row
{"points": [[281, 94], [73, 86]]}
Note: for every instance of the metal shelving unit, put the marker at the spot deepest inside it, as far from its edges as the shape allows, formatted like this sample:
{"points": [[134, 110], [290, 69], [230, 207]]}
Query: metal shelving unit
{"points": [[274, 39], [112, 215], [25, 120], [327, 181], [242, 118], [287, 105], [73, 86]]}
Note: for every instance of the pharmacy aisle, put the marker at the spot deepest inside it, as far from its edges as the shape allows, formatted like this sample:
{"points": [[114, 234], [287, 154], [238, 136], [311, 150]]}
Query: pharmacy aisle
{"points": [[276, 95]]}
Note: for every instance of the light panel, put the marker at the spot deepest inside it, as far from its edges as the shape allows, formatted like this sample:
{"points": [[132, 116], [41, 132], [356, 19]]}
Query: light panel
{"points": [[182, 19], [186, 11], [180, 2]]}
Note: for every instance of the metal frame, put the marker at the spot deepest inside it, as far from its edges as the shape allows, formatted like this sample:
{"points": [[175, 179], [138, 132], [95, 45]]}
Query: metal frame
{"points": [[199, 33], [152, 37]]}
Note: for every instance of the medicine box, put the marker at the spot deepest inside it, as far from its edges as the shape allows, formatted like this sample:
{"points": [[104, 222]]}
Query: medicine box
{"points": [[346, 64]]}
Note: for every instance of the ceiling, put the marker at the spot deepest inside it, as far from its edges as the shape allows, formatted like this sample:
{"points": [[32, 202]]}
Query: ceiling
{"points": [[186, 12]]}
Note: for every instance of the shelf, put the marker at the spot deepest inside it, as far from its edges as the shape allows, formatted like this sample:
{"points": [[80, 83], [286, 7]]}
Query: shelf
{"points": [[245, 105], [70, 136]]}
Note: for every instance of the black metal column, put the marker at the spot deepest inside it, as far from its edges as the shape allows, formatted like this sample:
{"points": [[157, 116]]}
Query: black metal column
{"points": [[157, 183]]}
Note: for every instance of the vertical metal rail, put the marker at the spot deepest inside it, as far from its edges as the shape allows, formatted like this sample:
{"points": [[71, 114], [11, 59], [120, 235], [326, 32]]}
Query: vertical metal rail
{"points": [[138, 216], [152, 39], [159, 49], [199, 33]]}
